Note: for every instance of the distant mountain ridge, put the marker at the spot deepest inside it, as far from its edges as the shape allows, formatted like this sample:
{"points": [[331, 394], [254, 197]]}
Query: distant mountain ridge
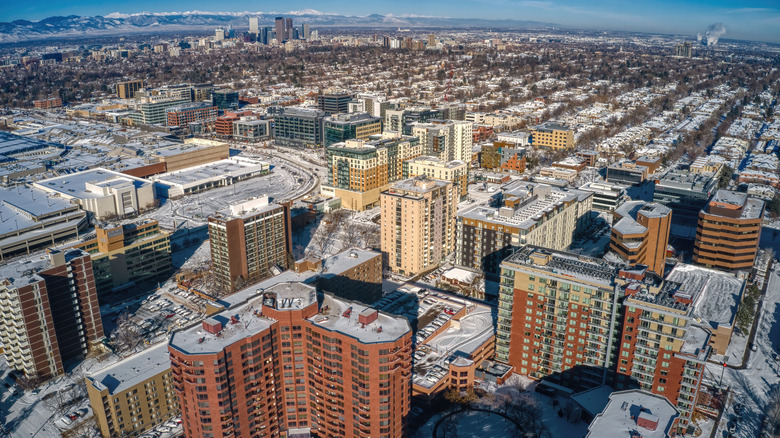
{"points": [[148, 22]]}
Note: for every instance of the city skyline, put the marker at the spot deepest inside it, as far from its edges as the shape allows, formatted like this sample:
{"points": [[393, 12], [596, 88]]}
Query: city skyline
{"points": [[757, 22]]}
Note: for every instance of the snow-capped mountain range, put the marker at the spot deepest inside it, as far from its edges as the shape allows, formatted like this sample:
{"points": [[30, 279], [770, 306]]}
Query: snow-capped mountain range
{"points": [[146, 22]]}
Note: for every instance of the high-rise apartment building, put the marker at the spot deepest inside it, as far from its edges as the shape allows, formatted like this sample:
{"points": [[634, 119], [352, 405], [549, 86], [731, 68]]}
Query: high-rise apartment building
{"points": [[557, 317], [134, 394], [533, 214], [51, 312], [124, 256], [418, 224], [684, 50], [552, 136], [728, 231], [279, 28], [446, 139], [582, 322], [248, 240], [455, 171], [661, 349], [127, 89], [342, 127], [289, 362], [640, 234], [358, 171], [254, 25]]}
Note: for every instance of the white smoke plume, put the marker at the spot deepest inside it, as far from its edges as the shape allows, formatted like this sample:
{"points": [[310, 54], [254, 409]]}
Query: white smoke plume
{"points": [[712, 35]]}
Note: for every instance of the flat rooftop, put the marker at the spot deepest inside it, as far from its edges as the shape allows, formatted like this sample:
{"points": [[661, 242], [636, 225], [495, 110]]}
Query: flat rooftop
{"points": [[386, 328], [419, 184], [628, 408], [534, 203], [131, 371], [216, 171], [23, 206], [185, 148], [716, 295], [562, 263], [75, 184]]}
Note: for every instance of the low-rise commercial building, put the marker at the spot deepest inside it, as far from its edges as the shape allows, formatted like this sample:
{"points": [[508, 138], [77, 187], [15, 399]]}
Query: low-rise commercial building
{"points": [[104, 193], [686, 193], [207, 176], [606, 197], [627, 173], [34, 219], [636, 413]]}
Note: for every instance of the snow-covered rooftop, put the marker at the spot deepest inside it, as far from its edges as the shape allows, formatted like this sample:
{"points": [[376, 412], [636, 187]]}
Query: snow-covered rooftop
{"points": [[627, 409], [386, 327], [133, 370], [716, 295]]}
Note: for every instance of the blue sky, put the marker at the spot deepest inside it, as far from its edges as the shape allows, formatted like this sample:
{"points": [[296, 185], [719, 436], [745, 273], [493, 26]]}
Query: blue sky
{"points": [[755, 20]]}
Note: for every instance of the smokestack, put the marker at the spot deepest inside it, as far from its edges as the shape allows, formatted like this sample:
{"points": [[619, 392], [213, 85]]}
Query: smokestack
{"points": [[712, 35]]}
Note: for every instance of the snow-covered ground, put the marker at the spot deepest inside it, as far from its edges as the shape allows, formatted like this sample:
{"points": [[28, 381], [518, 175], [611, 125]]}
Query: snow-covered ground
{"points": [[752, 386], [285, 181], [40, 415]]}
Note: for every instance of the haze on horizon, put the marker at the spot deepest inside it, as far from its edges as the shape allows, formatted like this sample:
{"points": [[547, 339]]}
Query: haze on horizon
{"points": [[759, 22]]}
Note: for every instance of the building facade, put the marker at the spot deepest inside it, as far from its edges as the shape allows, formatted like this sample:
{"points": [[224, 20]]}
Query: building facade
{"points": [[134, 394], [418, 224], [728, 232], [248, 241], [557, 317], [455, 171], [552, 136], [225, 99], [191, 113], [358, 171], [297, 127], [342, 127], [289, 361], [124, 256], [640, 234], [51, 312], [532, 214], [127, 89], [334, 103]]}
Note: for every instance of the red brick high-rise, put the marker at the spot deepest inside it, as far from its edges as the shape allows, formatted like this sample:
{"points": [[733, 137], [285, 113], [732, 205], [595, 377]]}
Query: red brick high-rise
{"points": [[51, 312], [291, 361]]}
